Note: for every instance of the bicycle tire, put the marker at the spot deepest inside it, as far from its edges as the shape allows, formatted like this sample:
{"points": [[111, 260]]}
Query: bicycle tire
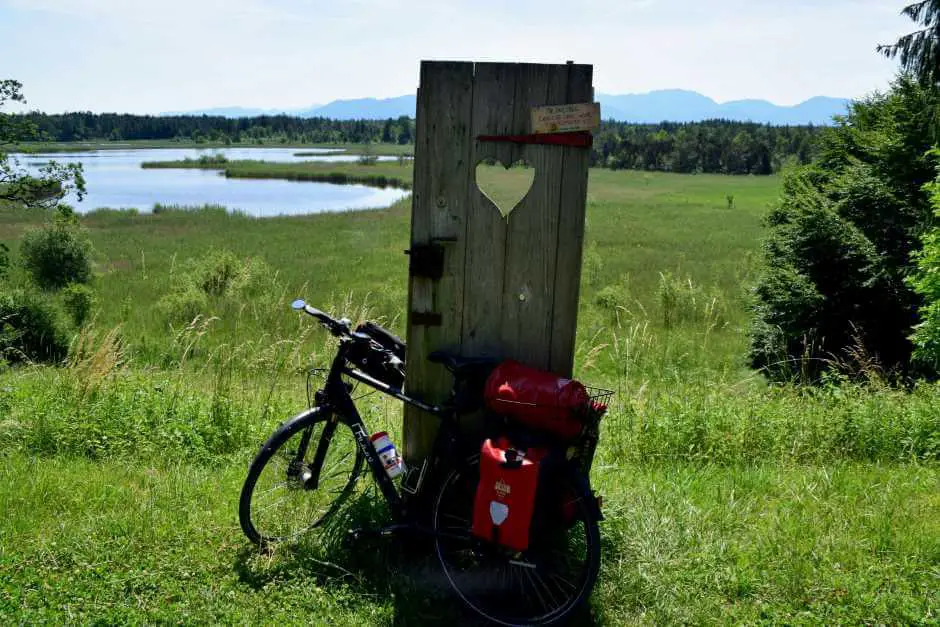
{"points": [[292, 483], [505, 606]]}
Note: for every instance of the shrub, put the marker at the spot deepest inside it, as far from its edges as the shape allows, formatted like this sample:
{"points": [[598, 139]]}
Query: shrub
{"points": [[253, 278], [610, 297], [683, 301], [215, 273], [833, 291], [57, 254], [615, 296], [183, 305], [219, 275], [31, 329], [926, 283], [78, 300]]}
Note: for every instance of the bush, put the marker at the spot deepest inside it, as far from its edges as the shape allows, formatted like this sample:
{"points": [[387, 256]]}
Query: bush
{"points": [[57, 254], [219, 275], [216, 272], [833, 292], [222, 273], [31, 329], [683, 301], [926, 283], [183, 305], [78, 300]]}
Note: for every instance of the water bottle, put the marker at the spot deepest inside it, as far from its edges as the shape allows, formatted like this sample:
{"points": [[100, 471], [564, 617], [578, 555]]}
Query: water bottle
{"points": [[388, 454]]}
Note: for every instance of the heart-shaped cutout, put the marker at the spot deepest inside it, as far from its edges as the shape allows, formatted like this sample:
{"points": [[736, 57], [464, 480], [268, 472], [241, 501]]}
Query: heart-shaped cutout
{"points": [[505, 186]]}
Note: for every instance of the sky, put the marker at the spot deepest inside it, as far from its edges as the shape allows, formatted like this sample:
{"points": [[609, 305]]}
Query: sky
{"points": [[149, 56]]}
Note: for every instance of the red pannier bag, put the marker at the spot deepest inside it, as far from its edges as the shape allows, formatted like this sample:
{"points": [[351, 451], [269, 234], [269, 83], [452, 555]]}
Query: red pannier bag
{"points": [[536, 398], [505, 498]]}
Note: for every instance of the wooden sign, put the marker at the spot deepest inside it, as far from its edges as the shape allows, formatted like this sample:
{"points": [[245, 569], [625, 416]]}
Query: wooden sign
{"points": [[566, 118], [508, 285]]}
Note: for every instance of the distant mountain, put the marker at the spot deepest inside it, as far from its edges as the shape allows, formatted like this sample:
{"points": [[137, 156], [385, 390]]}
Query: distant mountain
{"points": [[676, 105], [364, 108], [238, 112], [672, 105], [226, 112]]}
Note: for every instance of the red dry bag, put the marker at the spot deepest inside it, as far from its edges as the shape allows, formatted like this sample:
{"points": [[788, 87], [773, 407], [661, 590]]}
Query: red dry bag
{"points": [[505, 499], [537, 398]]}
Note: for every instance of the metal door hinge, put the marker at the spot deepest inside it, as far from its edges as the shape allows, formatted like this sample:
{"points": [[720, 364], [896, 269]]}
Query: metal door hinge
{"points": [[426, 260]]}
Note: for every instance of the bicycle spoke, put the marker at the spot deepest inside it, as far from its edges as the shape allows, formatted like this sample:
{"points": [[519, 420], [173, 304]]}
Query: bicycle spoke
{"points": [[281, 505], [548, 591], [531, 580], [558, 578], [338, 462], [272, 489], [543, 585], [276, 503]]}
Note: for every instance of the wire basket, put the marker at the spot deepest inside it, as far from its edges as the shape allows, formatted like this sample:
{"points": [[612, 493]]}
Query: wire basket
{"points": [[583, 452], [599, 395]]}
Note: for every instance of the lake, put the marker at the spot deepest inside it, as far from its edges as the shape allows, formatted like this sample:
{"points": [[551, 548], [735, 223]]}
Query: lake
{"points": [[115, 179]]}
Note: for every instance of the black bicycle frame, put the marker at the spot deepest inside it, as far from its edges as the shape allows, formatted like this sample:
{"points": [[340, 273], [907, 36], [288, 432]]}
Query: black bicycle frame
{"points": [[339, 402]]}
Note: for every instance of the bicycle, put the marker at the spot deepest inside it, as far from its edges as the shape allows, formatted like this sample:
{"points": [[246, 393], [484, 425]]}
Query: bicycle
{"points": [[316, 457]]}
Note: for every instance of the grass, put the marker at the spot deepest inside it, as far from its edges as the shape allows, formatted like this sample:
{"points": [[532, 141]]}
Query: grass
{"points": [[112, 542], [726, 500], [380, 174]]}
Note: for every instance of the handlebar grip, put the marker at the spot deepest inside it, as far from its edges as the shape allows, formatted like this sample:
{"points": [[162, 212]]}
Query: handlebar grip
{"points": [[316, 313], [336, 327]]}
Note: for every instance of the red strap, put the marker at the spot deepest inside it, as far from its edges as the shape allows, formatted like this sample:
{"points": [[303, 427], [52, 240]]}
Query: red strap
{"points": [[580, 139]]}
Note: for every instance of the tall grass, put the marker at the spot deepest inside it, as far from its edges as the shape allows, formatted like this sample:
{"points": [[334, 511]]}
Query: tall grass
{"points": [[726, 500]]}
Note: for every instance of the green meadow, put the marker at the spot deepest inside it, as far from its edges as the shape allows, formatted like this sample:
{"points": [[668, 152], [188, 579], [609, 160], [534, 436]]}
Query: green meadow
{"points": [[726, 499]]}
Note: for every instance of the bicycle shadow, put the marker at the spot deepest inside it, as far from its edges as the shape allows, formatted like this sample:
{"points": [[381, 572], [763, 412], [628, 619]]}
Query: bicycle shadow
{"points": [[403, 567]]}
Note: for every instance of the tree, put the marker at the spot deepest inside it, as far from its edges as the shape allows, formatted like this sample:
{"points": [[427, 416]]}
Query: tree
{"points": [[919, 52], [834, 289], [926, 282], [52, 182]]}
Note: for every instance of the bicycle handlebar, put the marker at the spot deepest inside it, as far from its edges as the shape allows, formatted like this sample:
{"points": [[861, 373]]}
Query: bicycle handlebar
{"points": [[336, 327]]}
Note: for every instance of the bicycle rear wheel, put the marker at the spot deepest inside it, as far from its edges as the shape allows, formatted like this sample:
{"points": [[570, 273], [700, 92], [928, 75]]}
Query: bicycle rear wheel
{"points": [[301, 476], [540, 586]]}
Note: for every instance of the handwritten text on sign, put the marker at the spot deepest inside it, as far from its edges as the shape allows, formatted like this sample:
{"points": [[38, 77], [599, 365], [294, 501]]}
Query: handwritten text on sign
{"points": [[566, 118]]}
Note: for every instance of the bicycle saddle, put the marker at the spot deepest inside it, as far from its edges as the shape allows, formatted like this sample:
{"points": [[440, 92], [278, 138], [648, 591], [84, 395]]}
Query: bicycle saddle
{"points": [[458, 364]]}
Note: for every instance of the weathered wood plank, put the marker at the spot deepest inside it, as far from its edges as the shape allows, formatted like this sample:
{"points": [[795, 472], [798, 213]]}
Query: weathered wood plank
{"points": [[528, 290], [493, 95], [571, 230], [439, 206], [510, 285]]}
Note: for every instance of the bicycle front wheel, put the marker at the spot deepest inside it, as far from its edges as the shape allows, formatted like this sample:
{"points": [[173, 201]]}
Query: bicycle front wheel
{"points": [[299, 479]]}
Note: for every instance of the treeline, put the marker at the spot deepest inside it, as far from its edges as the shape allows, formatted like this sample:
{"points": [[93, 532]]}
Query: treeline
{"points": [[715, 146], [67, 127]]}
